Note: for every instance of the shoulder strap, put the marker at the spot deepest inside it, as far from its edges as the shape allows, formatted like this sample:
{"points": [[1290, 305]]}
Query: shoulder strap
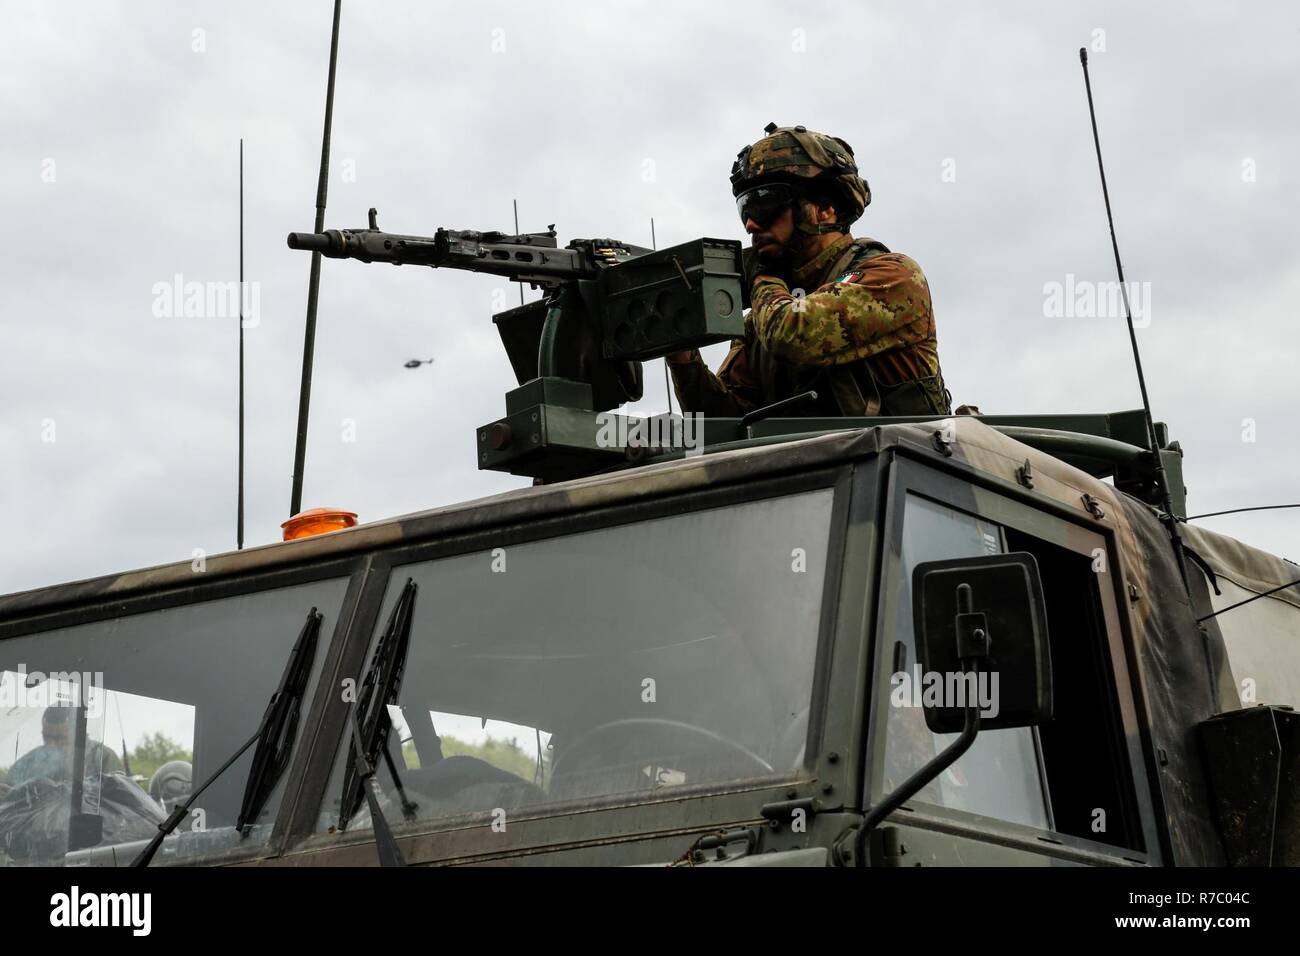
{"points": [[858, 251]]}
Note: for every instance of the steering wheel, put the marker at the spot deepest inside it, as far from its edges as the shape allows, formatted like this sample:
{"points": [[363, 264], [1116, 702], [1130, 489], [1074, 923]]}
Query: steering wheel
{"points": [[583, 749]]}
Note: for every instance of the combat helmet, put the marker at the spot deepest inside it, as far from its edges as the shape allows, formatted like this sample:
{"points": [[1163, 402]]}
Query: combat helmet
{"points": [[171, 783], [799, 156]]}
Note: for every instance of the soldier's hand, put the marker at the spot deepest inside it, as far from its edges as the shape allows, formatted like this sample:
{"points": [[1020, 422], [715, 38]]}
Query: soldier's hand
{"points": [[755, 268]]}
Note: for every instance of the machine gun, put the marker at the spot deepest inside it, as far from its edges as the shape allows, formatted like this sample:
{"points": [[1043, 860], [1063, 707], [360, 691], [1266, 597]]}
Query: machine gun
{"points": [[533, 257], [606, 307]]}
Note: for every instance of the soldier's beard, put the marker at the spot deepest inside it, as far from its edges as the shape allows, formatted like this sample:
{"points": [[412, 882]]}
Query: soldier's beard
{"points": [[798, 249], [789, 255]]}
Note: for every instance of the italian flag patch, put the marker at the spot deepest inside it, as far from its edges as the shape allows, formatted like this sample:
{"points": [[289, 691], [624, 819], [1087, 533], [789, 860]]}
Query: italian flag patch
{"points": [[850, 277]]}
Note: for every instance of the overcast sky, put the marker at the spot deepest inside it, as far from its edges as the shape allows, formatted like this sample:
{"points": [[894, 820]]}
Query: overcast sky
{"points": [[119, 171]]}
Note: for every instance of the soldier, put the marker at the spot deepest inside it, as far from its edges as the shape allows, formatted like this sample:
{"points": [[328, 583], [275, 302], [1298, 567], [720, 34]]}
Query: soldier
{"points": [[842, 316], [52, 760]]}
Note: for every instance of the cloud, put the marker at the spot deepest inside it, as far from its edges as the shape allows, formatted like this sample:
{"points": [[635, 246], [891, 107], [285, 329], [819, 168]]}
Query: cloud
{"points": [[597, 119]]}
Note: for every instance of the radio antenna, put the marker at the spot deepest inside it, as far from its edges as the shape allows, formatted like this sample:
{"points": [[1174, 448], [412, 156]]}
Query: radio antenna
{"points": [[239, 517], [313, 284], [521, 285], [1237, 511], [1162, 478], [668, 384]]}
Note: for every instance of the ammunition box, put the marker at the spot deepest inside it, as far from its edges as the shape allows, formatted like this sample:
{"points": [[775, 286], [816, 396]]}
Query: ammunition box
{"points": [[679, 298]]}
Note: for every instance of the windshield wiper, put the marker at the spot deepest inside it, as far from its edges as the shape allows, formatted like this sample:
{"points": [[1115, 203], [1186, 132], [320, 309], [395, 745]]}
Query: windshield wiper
{"points": [[371, 725], [274, 739], [279, 726], [385, 843]]}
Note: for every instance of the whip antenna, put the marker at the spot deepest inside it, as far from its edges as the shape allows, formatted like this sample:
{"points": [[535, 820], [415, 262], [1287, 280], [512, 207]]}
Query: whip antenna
{"points": [[668, 385], [239, 517], [1237, 511], [313, 284], [1162, 479], [521, 285]]}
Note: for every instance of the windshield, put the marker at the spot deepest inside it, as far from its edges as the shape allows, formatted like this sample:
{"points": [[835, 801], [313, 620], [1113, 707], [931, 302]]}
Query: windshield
{"points": [[150, 704], [628, 661]]}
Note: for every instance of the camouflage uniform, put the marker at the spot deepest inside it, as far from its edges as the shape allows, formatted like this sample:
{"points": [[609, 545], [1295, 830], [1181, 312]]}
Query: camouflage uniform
{"points": [[854, 323]]}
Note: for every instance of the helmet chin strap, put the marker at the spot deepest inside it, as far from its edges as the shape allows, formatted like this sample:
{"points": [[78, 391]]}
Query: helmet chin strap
{"points": [[795, 251], [802, 225]]}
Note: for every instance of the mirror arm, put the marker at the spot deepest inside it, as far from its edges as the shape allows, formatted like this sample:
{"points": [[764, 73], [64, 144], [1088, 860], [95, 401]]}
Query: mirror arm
{"points": [[913, 784], [972, 648]]}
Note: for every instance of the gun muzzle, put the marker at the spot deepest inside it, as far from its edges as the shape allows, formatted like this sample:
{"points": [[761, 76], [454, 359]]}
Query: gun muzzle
{"points": [[310, 241]]}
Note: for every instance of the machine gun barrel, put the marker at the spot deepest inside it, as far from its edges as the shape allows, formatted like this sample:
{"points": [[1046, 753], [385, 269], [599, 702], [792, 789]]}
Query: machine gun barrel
{"points": [[370, 245], [310, 241], [530, 257]]}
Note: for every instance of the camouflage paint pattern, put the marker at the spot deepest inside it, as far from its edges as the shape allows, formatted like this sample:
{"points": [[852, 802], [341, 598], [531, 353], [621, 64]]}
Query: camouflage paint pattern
{"points": [[794, 153]]}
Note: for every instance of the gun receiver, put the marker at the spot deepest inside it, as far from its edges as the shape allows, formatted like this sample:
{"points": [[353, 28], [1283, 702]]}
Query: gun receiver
{"points": [[533, 257]]}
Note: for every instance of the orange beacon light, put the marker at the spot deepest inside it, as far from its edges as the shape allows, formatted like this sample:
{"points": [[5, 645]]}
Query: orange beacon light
{"points": [[317, 521]]}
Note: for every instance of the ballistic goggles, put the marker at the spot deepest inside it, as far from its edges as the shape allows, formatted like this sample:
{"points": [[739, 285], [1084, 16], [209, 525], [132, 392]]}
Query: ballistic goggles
{"points": [[764, 203]]}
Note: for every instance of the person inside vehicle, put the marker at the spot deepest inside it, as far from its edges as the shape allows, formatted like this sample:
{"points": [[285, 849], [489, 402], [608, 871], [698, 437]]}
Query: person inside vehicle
{"points": [[52, 760]]}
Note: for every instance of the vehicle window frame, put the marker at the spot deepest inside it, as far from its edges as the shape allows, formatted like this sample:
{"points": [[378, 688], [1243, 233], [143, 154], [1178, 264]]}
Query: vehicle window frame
{"points": [[112, 607], [447, 839], [963, 489]]}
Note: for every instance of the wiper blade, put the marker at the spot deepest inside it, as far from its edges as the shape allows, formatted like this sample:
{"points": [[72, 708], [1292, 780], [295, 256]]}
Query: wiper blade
{"points": [[372, 723], [385, 843], [279, 725], [274, 737]]}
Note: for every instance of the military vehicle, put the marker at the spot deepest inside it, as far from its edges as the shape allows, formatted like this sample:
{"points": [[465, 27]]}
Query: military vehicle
{"points": [[778, 640], [733, 642]]}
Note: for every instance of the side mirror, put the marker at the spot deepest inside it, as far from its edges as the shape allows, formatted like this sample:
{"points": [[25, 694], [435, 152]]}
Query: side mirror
{"points": [[1007, 612]]}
